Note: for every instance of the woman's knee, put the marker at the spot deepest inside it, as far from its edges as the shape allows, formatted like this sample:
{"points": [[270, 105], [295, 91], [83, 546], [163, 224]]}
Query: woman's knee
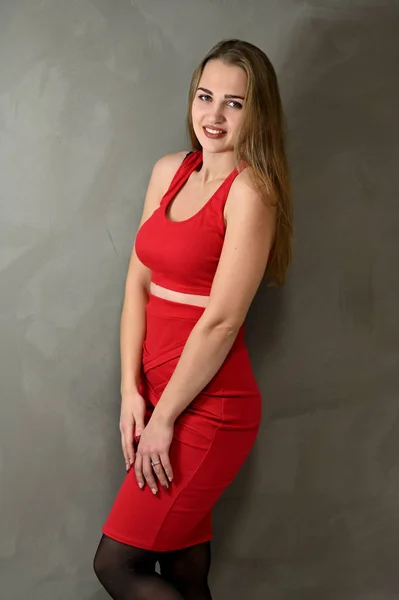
{"points": [[108, 559], [189, 568], [113, 558], [101, 564]]}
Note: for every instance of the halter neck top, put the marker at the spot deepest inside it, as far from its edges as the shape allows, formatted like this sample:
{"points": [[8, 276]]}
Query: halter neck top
{"points": [[183, 255]]}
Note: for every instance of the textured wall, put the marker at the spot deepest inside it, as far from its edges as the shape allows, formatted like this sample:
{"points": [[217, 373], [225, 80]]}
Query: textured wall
{"points": [[91, 94]]}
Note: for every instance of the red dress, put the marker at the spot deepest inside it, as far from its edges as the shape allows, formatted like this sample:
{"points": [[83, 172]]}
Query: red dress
{"points": [[215, 433]]}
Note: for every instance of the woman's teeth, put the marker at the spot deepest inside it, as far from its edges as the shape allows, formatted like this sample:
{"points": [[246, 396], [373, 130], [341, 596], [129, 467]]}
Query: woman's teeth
{"points": [[214, 131]]}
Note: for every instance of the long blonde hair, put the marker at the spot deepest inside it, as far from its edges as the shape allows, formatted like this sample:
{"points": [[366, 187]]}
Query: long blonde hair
{"points": [[260, 143]]}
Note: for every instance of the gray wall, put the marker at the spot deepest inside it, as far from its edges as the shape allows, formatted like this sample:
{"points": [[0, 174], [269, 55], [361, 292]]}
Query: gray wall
{"points": [[92, 93]]}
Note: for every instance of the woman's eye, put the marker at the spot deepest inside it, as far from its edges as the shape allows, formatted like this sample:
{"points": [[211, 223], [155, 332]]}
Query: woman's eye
{"points": [[235, 104], [232, 103]]}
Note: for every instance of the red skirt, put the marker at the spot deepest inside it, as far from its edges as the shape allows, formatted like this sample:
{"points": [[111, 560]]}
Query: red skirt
{"points": [[212, 438]]}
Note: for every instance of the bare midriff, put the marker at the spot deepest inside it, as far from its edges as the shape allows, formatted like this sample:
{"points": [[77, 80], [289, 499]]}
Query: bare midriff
{"points": [[166, 294]]}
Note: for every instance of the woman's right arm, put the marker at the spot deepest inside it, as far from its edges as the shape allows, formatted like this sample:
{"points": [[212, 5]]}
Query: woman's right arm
{"points": [[133, 318]]}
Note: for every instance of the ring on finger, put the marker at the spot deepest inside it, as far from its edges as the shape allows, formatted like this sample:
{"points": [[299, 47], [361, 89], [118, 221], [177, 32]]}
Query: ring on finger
{"points": [[155, 463]]}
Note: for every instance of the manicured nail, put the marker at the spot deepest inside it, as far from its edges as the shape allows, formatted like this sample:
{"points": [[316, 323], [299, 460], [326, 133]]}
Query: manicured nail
{"points": [[141, 485], [170, 478], [154, 491]]}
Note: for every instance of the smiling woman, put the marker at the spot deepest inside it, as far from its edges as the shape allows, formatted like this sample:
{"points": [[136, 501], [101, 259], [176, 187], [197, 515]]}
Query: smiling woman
{"points": [[216, 114], [216, 220]]}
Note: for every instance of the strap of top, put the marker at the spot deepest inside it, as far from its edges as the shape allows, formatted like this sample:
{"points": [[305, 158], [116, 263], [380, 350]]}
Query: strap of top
{"points": [[187, 166], [223, 191]]}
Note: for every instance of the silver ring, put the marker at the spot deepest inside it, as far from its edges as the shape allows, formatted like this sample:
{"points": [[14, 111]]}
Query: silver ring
{"points": [[154, 464]]}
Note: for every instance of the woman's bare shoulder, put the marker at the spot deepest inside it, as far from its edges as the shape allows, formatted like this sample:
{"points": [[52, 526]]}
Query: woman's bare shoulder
{"points": [[166, 166], [161, 177]]}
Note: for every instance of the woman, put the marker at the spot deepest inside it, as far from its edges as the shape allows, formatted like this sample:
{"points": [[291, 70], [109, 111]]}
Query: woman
{"points": [[215, 221]]}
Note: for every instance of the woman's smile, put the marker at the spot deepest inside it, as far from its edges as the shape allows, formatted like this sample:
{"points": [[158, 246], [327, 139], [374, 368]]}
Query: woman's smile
{"points": [[214, 133]]}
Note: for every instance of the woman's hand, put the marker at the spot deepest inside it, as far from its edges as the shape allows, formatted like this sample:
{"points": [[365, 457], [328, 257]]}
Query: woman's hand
{"points": [[131, 424], [153, 454]]}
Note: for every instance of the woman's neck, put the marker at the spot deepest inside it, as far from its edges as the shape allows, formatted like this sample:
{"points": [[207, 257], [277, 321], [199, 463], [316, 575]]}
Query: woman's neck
{"points": [[216, 166]]}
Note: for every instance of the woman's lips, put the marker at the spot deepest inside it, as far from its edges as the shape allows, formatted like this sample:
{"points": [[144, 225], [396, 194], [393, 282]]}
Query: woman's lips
{"points": [[214, 132]]}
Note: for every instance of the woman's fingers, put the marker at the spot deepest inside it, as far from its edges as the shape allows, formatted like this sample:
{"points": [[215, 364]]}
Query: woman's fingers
{"points": [[158, 468], [149, 474], [127, 453], [148, 468], [124, 450], [143, 470], [138, 468], [127, 443], [167, 467]]}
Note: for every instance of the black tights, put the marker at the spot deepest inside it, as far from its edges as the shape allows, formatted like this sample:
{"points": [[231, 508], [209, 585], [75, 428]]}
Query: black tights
{"points": [[128, 573]]}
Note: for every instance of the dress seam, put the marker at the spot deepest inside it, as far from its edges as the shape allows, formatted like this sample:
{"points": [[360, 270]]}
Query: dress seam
{"points": [[187, 484]]}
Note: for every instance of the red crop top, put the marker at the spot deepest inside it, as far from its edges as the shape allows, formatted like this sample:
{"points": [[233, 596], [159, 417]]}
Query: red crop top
{"points": [[183, 255]]}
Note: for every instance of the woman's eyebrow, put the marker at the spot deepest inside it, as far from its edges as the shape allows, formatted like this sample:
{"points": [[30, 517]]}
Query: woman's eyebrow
{"points": [[226, 95]]}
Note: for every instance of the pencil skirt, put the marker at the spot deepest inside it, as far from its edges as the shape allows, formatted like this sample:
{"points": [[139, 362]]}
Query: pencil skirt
{"points": [[212, 438]]}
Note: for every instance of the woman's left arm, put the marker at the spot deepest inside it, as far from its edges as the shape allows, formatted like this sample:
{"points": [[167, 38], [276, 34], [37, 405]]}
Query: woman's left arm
{"points": [[249, 236]]}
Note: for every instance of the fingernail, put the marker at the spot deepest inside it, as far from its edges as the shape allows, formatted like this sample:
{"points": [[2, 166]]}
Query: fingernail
{"points": [[154, 491], [141, 485], [170, 478]]}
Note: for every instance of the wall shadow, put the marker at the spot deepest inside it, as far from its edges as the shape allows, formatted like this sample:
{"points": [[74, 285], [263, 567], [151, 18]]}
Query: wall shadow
{"points": [[263, 324]]}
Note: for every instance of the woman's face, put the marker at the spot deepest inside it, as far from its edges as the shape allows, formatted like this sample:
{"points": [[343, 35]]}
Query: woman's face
{"points": [[218, 106]]}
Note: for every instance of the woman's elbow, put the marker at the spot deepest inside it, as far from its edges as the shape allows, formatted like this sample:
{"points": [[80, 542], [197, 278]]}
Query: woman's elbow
{"points": [[226, 325]]}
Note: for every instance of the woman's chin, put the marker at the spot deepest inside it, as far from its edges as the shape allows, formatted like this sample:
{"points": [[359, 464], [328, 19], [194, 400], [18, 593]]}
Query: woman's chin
{"points": [[214, 146]]}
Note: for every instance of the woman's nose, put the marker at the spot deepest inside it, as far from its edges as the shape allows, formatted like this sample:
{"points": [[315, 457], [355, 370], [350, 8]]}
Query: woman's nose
{"points": [[216, 113]]}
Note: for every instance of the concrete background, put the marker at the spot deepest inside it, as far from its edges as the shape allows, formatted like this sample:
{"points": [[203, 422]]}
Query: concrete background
{"points": [[91, 94]]}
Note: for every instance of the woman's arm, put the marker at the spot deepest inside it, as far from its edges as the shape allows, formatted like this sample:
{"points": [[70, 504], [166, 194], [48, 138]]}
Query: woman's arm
{"points": [[249, 236], [133, 318], [132, 330], [132, 327]]}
